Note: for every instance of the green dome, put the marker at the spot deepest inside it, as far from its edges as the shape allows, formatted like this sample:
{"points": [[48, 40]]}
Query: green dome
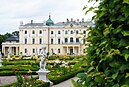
{"points": [[49, 22]]}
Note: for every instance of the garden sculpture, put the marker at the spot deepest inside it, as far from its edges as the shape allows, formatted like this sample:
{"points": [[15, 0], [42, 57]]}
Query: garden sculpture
{"points": [[9, 52], [43, 59]]}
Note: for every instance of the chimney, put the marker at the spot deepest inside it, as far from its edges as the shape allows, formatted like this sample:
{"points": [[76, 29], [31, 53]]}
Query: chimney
{"points": [[21, 23], [82, 19], [71, 19], [31, 21], [67, 20]]}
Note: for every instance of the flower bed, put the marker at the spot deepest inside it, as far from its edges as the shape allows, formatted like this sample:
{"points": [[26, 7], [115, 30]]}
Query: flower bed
{"points": [[61, 68], [62, 77]]}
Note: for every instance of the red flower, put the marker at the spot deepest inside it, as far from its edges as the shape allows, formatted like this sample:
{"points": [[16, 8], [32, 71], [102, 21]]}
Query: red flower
{"points": [[14, 70]]}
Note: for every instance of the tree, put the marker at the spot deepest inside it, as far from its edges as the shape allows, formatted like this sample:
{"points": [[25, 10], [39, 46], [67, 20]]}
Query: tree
{"points": [[15, 33], [108, 51]]}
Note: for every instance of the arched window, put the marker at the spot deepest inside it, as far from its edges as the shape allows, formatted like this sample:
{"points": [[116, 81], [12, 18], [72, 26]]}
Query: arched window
{"points": [[66, 32], [84, 32], [33, 50], [77, 32], [77, 40], [25, 40], [58, 40], [33, 32], [40, 32], [40, 41], [58, 50], [52, 32], [66, 40], [51, 41], [71, 40], [25, 32], [25, 50], [71, 32], [33, 41], [58, 32]]}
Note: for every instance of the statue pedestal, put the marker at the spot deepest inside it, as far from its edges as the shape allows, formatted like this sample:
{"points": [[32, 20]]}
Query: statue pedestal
{"points": [[43, 75]]}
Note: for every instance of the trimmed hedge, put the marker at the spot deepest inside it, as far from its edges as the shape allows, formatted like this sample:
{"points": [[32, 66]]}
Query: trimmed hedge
{"points": [[65, 77], [10, 73]]}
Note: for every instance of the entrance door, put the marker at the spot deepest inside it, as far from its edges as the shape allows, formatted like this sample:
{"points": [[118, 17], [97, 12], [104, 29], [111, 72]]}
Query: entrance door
{"points": [[71, 51]]}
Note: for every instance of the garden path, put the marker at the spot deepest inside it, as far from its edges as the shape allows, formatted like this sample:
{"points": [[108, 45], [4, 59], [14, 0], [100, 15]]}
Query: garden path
{"points": [[7, 80], [66, 83], [10, 79]]}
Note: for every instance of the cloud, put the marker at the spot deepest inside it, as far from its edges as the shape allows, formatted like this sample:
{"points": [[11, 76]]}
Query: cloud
{"points": [[13, 11]]}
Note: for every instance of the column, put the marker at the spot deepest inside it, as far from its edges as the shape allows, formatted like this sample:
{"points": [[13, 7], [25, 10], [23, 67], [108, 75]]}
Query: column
{"points": [[67, 49], [16, 50], [3, 50]]}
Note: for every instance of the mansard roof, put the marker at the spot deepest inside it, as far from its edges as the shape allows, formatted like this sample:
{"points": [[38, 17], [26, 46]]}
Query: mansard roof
{"points": [[87, 23], [13, 38]]}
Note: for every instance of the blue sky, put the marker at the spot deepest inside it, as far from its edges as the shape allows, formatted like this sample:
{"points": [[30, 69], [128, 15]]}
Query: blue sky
{"points": [[14, 11]]}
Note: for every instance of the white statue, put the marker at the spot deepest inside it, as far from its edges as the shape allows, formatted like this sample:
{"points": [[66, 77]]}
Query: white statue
{"points": [[9, 52], [36, 53], [43, 59]]}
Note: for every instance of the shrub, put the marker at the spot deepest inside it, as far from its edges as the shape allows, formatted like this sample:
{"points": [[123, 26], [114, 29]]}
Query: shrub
{"points": [[108, 51]]}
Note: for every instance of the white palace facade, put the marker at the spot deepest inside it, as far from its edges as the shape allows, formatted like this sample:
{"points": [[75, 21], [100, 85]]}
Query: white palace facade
{"points": [[60, 38]]}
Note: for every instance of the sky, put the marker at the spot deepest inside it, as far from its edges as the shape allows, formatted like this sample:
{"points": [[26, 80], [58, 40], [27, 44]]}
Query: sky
{"points": [[12, 12]]}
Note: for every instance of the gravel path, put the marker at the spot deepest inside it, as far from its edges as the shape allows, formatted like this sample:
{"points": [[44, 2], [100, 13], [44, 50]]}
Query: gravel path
{"points": [[7, 80], [10, 79]]}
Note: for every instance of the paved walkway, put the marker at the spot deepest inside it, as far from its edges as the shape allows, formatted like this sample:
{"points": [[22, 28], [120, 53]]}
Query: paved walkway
{"points": [[10, 79], [66, 83], [7, 80]]}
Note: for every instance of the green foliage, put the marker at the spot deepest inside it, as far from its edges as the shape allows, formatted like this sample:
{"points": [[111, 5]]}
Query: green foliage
{"points": [[108, 53], [64, 77]]}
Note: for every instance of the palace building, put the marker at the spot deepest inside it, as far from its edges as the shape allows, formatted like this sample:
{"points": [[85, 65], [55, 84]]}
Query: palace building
{"points": [[60, 38]]}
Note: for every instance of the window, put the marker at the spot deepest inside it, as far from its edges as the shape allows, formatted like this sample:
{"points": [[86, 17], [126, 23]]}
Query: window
{"points": [[33, 41], [40, 32], [71, 40], [66, 40], [40, 41], [58, 32], [77, 32], [66, 32], [77, 40], [59, 41], [51, 41], [58, 50], [71, 32], [52, 32], [84, 32], [25, 50], [33, 32], [25, 41], [84, 51], [25, 32], [33, 50]]}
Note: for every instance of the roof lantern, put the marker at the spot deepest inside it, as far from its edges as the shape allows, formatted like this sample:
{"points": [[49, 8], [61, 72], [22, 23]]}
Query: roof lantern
{"points": [[49, 22]]}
